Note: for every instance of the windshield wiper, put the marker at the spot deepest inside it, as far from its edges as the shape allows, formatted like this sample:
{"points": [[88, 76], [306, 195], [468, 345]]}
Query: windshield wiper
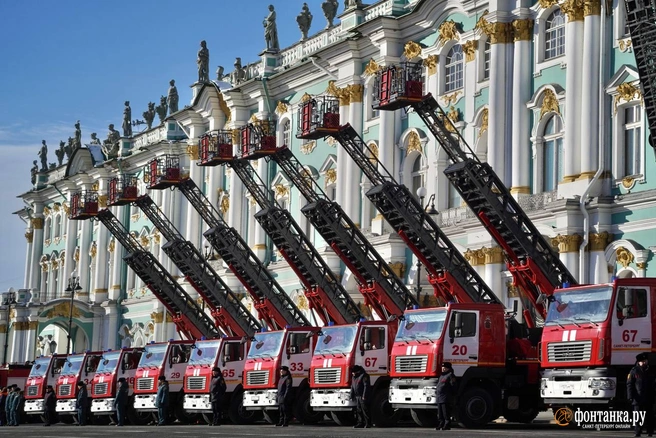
{"points": [[589, 321], [555, 322], [571, 320]]}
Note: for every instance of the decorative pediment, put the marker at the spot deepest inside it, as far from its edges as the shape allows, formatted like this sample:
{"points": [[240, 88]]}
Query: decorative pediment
{"points": [[63, 310], [625, 73], [81, 160], [329, 163]]}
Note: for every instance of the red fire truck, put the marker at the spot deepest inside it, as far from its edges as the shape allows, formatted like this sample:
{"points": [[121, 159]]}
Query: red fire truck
{"points": [[112, 366], [76, 368], [229, 354], [45, 371], [168, 359], [291, 347]]}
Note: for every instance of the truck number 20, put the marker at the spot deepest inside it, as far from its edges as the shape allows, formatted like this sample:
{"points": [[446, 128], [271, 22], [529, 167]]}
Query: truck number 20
{"points": [[629, 335], [459, 350]]}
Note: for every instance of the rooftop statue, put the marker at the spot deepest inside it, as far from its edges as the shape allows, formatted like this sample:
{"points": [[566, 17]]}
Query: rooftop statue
{"points": [[348, 4], [304, 20], [78, 135], [271, 31], [330, 11], [60, 153], [127, 120], [203, 62], [69, 147], [149, 115], [219, 73], [43, 155], [95, 139], [111, 144], [33, 171], [239, 74], [161, 109], [172, 98]]}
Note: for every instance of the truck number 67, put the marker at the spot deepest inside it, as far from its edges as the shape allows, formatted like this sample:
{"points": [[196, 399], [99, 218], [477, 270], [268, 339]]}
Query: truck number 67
{"points": [[629, 335]]}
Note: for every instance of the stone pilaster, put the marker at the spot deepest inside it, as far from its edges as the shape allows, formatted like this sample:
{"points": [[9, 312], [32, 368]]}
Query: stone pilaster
{"points": [[351, 171]]}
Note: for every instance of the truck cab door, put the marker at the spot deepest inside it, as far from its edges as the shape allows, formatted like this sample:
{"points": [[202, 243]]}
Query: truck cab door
{"points": [[461, 346], [631, 326], [373, 355]]}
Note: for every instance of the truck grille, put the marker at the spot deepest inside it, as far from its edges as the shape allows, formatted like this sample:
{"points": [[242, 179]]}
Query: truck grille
{"points": [[32, 390], [196, 383], [145, 383], [257, 377], [327, 375], [100, 388], [569, 351], [411, 364], [64, 390]]}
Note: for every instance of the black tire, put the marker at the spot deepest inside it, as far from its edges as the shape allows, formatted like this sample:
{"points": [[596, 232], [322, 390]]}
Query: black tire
{"points": [[183, 416], [424, 417], [381, 411], [475, 408], [525, 416], [271, 417], [303, 410], [138, 418], [237, 413], [343, 418]]}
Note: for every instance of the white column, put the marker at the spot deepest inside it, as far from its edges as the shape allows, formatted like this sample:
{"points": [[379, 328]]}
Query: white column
{"points": [[167, 205], [29, 236], [521, 93], [37, 246], [85, 260], [258, 232], [498, 106], [589, 130], [71, 243], [351, 176], [493, 267], [342, 157], [100, 292], [236, 193], [574, 56], [111, 323], [386, 147], [568, 247], [192, 232], [115, 250]]}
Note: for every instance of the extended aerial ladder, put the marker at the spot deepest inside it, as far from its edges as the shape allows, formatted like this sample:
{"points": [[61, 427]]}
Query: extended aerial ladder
{"points": [[534, 264], [191, 321], [381, 288], [641, 20], [453, 278], [273, 304], [226, 308], [325, 294]]}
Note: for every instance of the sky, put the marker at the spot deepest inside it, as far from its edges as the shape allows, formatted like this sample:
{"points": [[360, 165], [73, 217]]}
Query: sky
{"points": [[68, 60]]}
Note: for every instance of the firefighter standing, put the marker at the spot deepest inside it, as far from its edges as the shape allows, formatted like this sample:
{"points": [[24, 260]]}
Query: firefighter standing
{"points": [[217, 390], [446, 388], [162, 400], [121, 401], [82, 403], [284, 396], [360, 392], [49, 405], [640, 390]]}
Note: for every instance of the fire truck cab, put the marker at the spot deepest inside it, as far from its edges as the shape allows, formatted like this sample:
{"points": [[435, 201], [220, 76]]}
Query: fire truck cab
{"points": [[291, 347], [112, 366], [75, 368]]}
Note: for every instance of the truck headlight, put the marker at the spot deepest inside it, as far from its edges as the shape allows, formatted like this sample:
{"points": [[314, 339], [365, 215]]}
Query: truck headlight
{"points": [[603, 384]]}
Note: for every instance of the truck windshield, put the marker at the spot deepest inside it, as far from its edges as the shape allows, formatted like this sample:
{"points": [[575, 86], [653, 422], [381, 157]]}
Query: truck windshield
{"points": [[266, 345], [580, 306], [40, 367], [426, 325], [336, 340], [73, 365], [204, 353], [108, 362], [153, 356]]}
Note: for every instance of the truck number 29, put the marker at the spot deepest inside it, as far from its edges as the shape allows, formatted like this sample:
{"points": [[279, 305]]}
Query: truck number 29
{"points": [[175, 375], [459, 350], [629, 335]]}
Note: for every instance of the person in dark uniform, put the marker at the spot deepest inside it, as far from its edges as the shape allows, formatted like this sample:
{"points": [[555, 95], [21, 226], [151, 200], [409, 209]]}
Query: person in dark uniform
{"points": [[121, 400], [284, 396], [217, 390], [81, 403], [162, 400], [360, 392], [3, 404], [446, 389], [9, 404], [49, 405], [640, 390]]}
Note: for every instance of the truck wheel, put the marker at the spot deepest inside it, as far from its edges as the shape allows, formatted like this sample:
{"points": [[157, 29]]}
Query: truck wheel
{"points": [[138, 418], [303, 411], [271, 417], [183, 416], [424, 417], [382, 413], [343, 418], [475, 408], [236, 411], [525, 415]]}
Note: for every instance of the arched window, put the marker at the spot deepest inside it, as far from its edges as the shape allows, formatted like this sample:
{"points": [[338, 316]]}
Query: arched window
{"points": [[58, 225], [554, 35], [417, 179], [47, 229], [487, 50], [552, 164], [632, 140], [287, 133], [453, 69]]}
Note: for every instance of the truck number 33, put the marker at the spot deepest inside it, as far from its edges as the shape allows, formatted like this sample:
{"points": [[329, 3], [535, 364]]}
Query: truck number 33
{"points": [[296, 366], [459, 350]]}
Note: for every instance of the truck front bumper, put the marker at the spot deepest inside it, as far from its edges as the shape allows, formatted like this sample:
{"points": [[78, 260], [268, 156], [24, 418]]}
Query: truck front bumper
{"points": [[260, 399], [197, 403], [413, 393], [578, 386], [331, 400], [145, 402], [34, 406], [66, 405], [103, 406]]}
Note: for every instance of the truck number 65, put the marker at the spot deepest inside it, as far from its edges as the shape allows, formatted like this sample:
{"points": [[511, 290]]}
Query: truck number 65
{"points": [[459, 350]]}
